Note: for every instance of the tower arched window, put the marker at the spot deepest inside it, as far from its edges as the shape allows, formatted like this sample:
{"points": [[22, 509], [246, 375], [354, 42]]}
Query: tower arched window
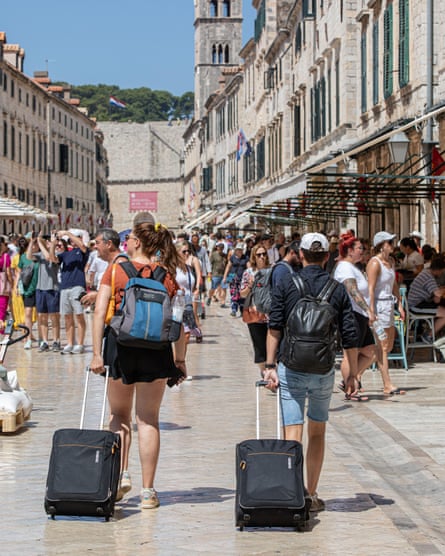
{"points": [[226, 54], [220, 54], [214, 57], [213, 4], [226, 8]]}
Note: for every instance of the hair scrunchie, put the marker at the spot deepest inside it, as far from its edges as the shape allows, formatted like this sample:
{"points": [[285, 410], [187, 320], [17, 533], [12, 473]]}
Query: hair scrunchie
{"points": [[158, 227]]}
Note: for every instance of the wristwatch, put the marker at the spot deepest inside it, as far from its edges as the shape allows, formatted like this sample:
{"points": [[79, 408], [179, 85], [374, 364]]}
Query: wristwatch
{"points": [[270, 366]]}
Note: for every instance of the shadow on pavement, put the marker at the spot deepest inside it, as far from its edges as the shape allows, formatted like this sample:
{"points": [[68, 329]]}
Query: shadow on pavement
{"points": [[198, 495], [362, 502]]}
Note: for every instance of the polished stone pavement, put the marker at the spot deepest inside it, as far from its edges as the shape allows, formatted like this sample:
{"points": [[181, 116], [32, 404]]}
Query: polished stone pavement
{"points": [[383, 478]]}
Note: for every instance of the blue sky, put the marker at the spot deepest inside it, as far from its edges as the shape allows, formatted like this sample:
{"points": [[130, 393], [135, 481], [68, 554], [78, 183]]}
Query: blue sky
{"points": [[137, 43]]}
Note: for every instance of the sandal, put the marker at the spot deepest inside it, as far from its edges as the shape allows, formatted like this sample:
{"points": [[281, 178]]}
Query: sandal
{"points": [[395, 392], [356, 398]]}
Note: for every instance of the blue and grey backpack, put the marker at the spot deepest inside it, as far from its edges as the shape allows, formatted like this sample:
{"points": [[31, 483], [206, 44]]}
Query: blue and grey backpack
{"points": [[144, 318]]}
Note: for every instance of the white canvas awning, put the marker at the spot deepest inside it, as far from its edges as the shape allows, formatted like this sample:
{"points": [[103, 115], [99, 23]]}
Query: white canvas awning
{"points": [[11, 208], [203, 219]]}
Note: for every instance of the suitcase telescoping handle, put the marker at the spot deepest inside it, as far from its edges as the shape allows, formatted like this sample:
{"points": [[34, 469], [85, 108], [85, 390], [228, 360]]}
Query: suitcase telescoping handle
{"points": [[258, 385], [104, 400]]}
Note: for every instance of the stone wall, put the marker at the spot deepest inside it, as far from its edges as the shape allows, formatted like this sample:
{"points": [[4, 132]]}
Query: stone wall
{"points": [[144, 159]]}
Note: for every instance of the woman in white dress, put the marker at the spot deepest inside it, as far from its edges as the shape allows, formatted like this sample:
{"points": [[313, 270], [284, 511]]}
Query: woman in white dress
{"points": [[383, 293]]}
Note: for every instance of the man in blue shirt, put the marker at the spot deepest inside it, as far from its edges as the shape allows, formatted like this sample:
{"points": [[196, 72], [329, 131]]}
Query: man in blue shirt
{"points": [[72, 286], [298, 384]]}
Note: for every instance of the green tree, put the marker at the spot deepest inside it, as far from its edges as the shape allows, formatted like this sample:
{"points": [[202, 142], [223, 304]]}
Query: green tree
{"points": [[143, 104]]}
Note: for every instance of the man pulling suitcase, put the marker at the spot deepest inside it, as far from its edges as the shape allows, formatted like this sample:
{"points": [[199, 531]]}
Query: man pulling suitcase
{"points": [[307, 311]]}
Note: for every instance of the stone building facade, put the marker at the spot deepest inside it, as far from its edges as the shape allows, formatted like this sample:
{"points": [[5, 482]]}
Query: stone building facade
{"points": [[145, 169], [299, 134], [47, 147]]}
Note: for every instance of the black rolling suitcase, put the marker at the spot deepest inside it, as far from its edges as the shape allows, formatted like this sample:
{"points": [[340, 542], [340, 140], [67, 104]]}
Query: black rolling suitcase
{"points": [[84, 469], [269, 480]]}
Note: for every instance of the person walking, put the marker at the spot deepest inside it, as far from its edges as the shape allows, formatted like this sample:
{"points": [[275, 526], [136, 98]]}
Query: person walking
{"points": [[233, 272], [5, 282], [383, 293], [72, 286], [218, 263], [143, 372], [347, 273], [298, 383], [47, 293], [256, 321], [29, 287]]}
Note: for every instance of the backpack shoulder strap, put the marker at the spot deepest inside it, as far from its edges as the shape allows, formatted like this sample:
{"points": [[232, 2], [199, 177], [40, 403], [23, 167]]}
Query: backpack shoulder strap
{"points": [[121, 256], [299, 283], [129, 269], [159, 274], [327, 290]]}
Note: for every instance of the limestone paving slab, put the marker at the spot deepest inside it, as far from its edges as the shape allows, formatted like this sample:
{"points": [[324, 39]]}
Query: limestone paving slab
{"points": [[383, 478]]}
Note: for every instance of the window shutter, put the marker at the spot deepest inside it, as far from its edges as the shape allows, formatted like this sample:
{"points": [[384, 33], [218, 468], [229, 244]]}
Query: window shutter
{"points": [[297, 127], [403, 43], [375, 63], [387, 52], [363, 52]]}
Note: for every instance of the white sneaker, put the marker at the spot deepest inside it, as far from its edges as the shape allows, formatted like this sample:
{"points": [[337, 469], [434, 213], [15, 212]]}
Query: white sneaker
{"points": [[28, 344], [78, 349], [149, 499], [67, 349]]}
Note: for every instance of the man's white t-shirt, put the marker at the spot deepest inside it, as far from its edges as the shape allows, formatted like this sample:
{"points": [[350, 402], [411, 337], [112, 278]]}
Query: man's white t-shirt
{"points": [[345, 271]]}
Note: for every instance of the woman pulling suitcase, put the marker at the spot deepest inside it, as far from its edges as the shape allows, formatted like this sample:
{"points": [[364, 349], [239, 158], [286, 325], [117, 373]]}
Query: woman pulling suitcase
{"points": [[139, 371]]}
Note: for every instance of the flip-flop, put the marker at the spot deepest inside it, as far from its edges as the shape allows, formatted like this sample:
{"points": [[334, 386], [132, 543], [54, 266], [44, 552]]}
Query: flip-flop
{"points": [[356, 398], [395, 392]]}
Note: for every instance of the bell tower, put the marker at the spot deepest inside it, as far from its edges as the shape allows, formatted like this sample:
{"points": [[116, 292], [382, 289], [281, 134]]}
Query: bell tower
{"points": [[218, 41]]}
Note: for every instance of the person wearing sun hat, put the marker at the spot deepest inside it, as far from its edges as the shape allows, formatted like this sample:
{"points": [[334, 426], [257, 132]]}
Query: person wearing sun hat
{"points": [[383, 290]]}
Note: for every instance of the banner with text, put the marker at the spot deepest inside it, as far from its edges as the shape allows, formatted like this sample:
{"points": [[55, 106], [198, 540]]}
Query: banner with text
{"points": [[143, 200]]}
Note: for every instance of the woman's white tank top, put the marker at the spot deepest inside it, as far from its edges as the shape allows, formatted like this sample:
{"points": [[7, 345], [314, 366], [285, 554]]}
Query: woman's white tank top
{"points": [[385, 282]]}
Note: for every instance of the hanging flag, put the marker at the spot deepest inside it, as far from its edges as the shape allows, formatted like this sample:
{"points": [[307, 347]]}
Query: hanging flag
{"points": [[437, 162], [240, 144], [118, 103]]}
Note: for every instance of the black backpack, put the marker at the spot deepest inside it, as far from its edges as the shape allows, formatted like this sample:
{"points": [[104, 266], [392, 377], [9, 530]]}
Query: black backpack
{"points": [[262, 288], [310, 334]]}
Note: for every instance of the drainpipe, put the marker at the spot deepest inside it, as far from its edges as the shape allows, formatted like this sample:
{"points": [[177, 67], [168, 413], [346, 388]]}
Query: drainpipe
{"points": [[429, 66], [428, 139]]}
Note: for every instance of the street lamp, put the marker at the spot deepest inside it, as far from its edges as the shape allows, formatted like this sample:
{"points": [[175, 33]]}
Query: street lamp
{"points": [[398, 147]]}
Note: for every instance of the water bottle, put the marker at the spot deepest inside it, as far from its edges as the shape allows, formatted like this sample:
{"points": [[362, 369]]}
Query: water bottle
{"points": [[379, 330], [178, 305]]}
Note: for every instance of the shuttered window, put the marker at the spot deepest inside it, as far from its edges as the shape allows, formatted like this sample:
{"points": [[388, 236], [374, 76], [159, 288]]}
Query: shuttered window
{"points": [[388, 52], [375, 63], [297, 130], [403, 42], [363, 62]]}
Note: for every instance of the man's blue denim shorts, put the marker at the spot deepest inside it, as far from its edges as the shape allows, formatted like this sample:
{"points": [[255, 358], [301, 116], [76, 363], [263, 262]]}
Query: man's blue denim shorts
{"points": [[296, 386]]}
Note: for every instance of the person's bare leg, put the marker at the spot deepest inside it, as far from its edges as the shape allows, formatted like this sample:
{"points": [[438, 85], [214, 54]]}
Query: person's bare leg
{"points": [[148, 402], [81, 328], [120, 398], [314, 454], [69, 329]]}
